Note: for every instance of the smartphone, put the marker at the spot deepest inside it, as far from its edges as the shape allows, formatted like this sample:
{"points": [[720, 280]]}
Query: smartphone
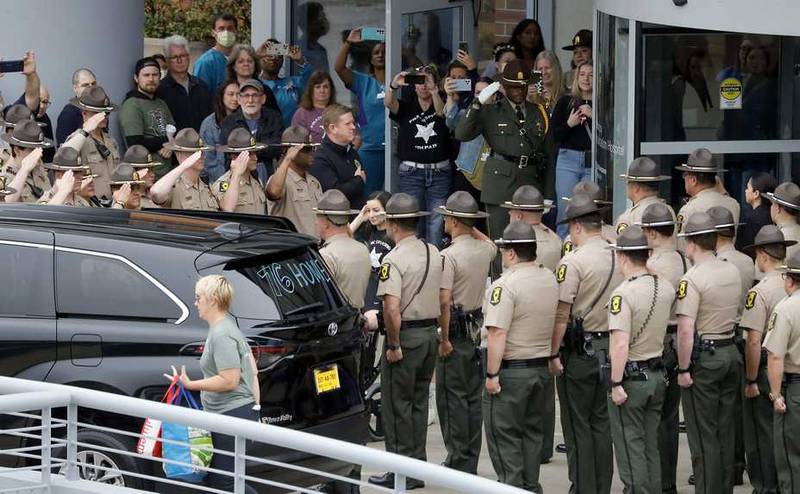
{"points": [[7, 66], [373, 34], [462, 85], [463, 46], [415, 78], [536, 77], [277, 49]]}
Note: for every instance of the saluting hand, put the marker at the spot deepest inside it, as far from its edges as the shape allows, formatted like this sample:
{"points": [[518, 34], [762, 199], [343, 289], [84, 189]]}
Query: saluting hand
{"points": [[91, 123], [191, 160], [239, 164], [29, 162]]}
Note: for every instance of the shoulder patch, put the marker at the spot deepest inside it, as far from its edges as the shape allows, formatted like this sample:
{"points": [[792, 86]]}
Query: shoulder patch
{"points": [[772, 319], [561, 273], [496, 293], [567, 248], [621, 227], [223, 186], [750, 301], [616, 304], [384, 274], [682, 289]]}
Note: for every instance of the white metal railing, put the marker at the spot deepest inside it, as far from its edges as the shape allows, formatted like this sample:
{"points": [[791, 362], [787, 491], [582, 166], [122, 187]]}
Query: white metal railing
{"points": [[19, 397]]}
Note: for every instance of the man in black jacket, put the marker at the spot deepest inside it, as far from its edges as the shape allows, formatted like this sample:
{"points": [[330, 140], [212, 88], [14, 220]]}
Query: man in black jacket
{"points": [[336, 163], [188, 98], [265, 124]]}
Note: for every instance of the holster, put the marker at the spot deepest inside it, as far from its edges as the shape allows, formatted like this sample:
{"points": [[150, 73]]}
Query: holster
{"points": [[604, 367], [574, 336], [696, 348], [738, 339], [381, 324], [670, 355], [483, 356]]}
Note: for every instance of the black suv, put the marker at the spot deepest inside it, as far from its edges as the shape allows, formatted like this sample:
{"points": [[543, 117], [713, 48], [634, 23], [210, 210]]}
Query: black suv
{"points": [[103, 299]]}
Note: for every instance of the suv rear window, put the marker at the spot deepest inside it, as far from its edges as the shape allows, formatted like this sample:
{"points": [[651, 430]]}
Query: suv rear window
{"points": [[295, 285]]}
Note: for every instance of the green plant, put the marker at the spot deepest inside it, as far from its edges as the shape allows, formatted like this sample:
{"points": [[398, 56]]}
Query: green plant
{"points": [[192, 18]]}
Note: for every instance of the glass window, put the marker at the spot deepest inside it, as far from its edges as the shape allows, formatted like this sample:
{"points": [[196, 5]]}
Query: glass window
{"points": [[29, 270], [99, 286], [429, 38]]}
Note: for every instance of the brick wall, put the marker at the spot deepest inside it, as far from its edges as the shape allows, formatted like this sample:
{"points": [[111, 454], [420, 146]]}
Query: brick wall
{"points": [[507, 13]]}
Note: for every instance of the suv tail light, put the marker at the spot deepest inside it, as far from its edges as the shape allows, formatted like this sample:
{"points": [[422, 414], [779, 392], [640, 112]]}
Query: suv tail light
{"points": [[266, 351]]}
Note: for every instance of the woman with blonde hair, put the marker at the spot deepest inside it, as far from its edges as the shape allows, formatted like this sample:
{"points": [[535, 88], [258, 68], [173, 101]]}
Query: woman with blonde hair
{"points": [[552, 86], [230, 377]]}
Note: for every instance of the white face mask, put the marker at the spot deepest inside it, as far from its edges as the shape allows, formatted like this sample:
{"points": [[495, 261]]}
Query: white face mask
{"points": [[226, 38], [163, 73]]}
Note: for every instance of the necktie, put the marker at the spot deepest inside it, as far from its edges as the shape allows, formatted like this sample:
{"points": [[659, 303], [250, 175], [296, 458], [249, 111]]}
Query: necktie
{"points": [[520, 115]]}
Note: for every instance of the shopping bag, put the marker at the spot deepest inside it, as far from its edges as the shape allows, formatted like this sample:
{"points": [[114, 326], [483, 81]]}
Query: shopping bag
{"points": [[192, 446], [149, 443]]}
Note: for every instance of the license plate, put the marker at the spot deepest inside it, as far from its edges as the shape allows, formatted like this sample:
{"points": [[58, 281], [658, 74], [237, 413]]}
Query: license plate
{"points": [[327, 379]]}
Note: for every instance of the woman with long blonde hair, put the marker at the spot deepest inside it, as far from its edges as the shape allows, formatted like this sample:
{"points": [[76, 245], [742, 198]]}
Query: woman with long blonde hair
{"points": [[552, 87]]}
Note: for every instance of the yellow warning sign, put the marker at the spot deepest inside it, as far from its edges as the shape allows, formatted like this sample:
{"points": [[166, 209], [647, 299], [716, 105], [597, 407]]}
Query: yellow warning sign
{"points": [[730, 94]]}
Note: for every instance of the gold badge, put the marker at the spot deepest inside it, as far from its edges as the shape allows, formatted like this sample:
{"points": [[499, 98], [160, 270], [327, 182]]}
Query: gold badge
{"points": [[567, 248], [750, 301], [772, 319], [680, 222], [200, 142], [252, 141], [621, 228], [149, 157], [682, 289], [616, 304], [384, 272], [561, 274], [496, 292], [223, 186]]}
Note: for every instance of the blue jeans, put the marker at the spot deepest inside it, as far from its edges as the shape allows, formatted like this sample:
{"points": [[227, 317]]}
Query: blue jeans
{"points": [[373, 162], [570, 169], [430, 186]]}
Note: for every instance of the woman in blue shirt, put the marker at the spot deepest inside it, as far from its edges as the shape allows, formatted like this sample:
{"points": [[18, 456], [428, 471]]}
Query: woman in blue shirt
{"points": [[287, 90], [225, 103], [369, 89]]}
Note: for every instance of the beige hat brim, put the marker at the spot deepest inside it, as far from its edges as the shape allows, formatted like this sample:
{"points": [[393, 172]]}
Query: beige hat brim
{"points": [[599, 202], [616, 247], [782, 202], [502, 241], [174, 147], [699, 232], [458, 214], [633, 178], [256, 147], [330, 212], [547, 206], [401, 216], [753, 247], [123, 182], [96, 109], [656, 223], [13, 125], [62, 168], [45, 142], [696, 169]]}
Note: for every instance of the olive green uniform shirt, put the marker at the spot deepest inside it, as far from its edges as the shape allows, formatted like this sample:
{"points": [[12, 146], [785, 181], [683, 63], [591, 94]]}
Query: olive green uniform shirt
{"points": [[350, 265], [402, 273]]}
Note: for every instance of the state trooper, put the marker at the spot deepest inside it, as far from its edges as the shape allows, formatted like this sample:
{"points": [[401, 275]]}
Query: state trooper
{"points": [[638, 313], [642, 180], [586, 278], [5, 190], [65, 160], [700, 182], [347, 259], [466, 263], [769, 248], [783, 369], [668, 263], [516, 130], [784, 210], [528, 205], [26, 139], [238, 190], [409, 282], [709, 365], [592, 190], [519, 323]]}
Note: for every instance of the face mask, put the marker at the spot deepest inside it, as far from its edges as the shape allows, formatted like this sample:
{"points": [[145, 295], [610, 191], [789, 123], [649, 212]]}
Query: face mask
{"points": [[163, 73], [226, 38]]}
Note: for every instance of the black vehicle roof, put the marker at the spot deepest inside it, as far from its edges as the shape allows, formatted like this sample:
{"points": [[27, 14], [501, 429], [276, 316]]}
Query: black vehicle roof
{"points": [[199, 230]]}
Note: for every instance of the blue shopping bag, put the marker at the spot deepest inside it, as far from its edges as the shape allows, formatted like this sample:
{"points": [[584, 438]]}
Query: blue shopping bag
{"points": [[195, 448]]}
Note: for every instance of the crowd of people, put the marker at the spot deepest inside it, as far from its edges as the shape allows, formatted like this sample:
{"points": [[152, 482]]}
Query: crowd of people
{"points": [[623, 319]]}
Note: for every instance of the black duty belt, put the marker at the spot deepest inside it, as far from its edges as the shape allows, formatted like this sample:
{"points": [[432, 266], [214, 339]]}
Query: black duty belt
{"points": [[525, 363], [520, 161], [672, 329], [706, 345], [421, 323], [788, 377], [597, 334], [655, 363]]}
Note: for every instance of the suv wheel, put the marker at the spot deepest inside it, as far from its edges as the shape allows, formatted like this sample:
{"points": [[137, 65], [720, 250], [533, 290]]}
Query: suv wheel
{"points": [[104, 466], [373, 404]]}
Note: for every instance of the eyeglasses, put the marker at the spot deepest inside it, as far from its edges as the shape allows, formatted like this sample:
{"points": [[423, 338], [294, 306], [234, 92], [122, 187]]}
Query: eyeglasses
{"points": [[250, 95], [179, 57]]}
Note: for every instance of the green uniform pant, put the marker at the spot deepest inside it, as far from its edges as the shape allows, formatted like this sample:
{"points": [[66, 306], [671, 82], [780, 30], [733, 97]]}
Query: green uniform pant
{"points": [[787, 445], [708, 406], [458, 399], [549, 405], [584, 419], [497, 222], [634, 430], [514, 425], [404, 392], [668, 428], [759, 447]]}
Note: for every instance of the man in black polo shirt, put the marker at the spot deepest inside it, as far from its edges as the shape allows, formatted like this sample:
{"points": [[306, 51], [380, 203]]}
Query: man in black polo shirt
{"points": [[336, 162], [188, 98]]}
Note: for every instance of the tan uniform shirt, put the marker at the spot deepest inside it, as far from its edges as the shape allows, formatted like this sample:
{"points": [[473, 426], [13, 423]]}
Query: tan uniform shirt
{"points": [[761, 301], [702, 201], [466, 264], [37, 179], [300, 197], [791, 231], [147, 203], [252, 198], [548, 247], [669, 264], [349, 263], [641, 307], [607, 231], [527, 315], [710, 293], [195, 196], [633, 214], [783, 333], [401, 274], [745, 265], [103, 167], [582, 277], [76, 200]]}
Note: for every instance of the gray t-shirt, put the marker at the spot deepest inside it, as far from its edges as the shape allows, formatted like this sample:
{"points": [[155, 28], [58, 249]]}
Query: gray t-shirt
{"points": [[226, 349]]}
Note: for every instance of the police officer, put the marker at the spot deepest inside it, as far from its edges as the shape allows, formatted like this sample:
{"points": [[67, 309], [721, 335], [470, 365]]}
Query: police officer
{"points": [[347, 259], [784, 210], [642, 180], [709, 365], [586, 278], [409, 282], [466, 264], [24, 140], [592, 190], [144, 163], [516, 130], [67, 159], [519, 323], [668, 263], [638, 313], [769, 248], [783, 369], [528, 205], [238, 190], [700, 181]]}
